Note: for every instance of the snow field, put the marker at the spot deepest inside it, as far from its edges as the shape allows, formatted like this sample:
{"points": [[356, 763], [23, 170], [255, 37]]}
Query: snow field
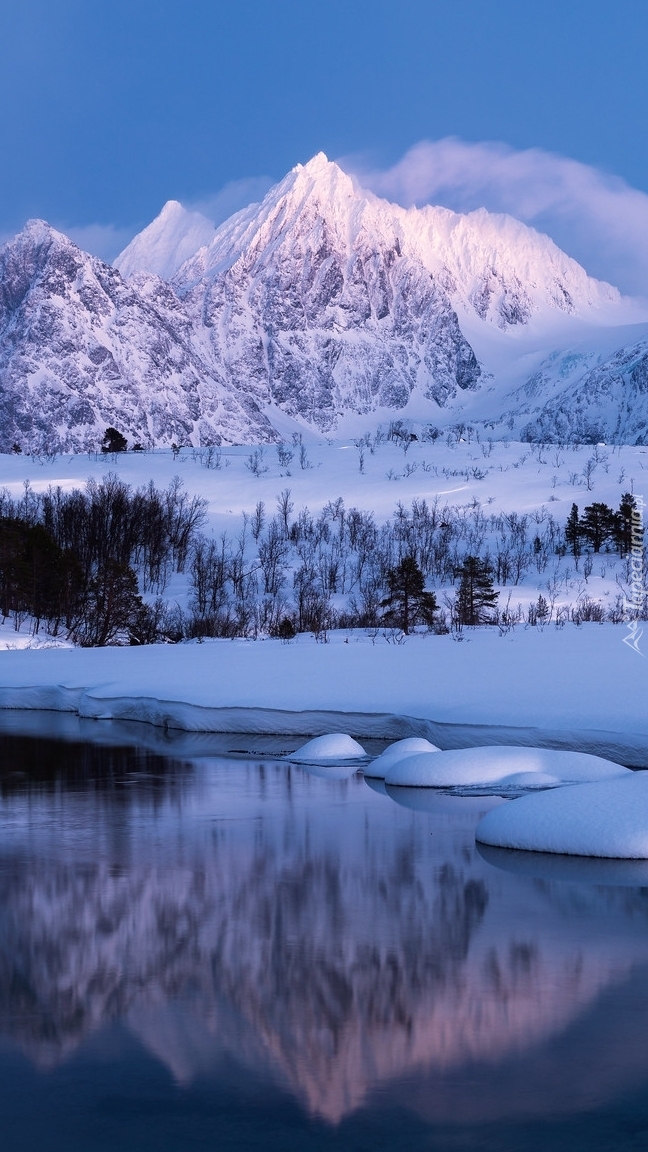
{"points": [[573, 687], [476, 480]]}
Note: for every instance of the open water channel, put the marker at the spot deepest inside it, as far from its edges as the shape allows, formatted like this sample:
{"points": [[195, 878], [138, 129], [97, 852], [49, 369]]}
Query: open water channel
{"points": [[204, 947]]}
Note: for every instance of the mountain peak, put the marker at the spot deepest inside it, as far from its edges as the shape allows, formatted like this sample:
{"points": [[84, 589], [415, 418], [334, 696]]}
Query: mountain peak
{"points": [[320, 173], [38, 232], [170, 209], [323, 301], [496, 269], [317, 162], [35, 252], [164, 245]]}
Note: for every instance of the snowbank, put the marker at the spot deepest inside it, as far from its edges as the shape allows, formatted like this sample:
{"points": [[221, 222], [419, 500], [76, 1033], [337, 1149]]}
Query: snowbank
{"points": [[573, 687], [398, 751], [334, 747], [504, 767], [607, 819]]}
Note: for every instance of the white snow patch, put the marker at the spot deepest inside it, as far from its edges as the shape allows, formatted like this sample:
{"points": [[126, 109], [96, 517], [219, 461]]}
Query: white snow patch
{"points": [[571, 687], [396, 752], [15, 639], [608, 818], [167, 242], [334, 746], [506, 767]]}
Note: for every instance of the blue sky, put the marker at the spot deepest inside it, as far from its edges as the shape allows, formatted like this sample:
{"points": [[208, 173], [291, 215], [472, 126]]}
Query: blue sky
{"points": [[110, 107]]}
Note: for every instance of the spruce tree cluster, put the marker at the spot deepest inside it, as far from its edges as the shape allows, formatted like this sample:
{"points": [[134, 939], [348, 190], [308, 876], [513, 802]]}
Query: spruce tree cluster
{"points": [[600, 527]]}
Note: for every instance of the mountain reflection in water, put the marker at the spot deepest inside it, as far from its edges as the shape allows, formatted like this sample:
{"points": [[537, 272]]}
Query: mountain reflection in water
{"points": [[335, 944]]}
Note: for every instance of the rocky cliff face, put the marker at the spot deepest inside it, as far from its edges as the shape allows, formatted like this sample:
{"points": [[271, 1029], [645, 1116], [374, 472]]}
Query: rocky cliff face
{"points": [[318, 309], [321, 303], [80, 349]]}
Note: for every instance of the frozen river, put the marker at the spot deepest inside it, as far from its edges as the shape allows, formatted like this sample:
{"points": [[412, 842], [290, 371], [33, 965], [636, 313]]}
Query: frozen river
{"points": [[210, 948]]}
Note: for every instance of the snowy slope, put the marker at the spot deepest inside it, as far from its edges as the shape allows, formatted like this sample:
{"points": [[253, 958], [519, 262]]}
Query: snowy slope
{"points": [[472, 479], [169, 240], [582, 395]]}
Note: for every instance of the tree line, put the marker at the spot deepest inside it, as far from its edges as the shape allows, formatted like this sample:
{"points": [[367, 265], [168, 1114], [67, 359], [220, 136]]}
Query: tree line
{"points": [[94, 564], [78, 562]]}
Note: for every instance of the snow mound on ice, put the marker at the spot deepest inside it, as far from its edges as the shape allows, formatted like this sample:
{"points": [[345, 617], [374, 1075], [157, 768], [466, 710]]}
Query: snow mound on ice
{"points": [[608, 819], [398, 751], [503, 766], [335, 746]]}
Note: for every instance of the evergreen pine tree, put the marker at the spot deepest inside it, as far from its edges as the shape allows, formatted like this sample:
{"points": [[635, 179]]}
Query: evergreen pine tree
{"points": [[543, 612], [573, 532], [113, 441], [408, 603], [476, 599], [598, 525]]}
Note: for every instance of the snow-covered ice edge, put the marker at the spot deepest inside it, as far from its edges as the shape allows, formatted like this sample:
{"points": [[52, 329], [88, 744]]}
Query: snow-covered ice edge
{"points": [[571, 688]]}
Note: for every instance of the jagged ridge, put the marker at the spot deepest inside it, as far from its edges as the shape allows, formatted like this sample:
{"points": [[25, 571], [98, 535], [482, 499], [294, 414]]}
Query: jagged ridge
{"points": [[321, 303]]}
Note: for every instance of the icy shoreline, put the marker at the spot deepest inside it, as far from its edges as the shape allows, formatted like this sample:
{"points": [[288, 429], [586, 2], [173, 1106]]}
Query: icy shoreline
{"points": [[575, 687]]}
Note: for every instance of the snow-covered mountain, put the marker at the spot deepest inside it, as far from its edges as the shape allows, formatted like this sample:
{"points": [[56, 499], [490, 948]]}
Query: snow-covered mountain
{"points": [[80, 349], [493, 265], [330, 302], [321, 308], [162, 248], [313, 303]]}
